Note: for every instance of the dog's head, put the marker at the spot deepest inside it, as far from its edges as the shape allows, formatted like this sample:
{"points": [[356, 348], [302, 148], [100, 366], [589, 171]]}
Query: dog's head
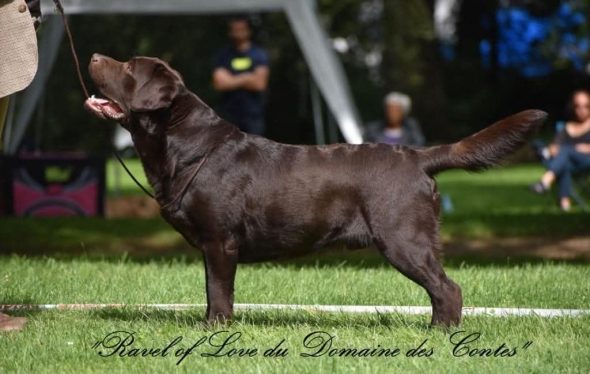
{"points": [[142, 84]]}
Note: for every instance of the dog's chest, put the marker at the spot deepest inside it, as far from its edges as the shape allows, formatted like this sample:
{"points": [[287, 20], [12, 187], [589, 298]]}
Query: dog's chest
{"points": [[182, 223]]}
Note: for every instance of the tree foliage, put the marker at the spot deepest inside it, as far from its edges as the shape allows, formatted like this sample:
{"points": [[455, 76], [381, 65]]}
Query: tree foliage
{"points": [[389, 45]]}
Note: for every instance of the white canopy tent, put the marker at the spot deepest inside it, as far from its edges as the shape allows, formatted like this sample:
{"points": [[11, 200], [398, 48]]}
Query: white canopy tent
{"points": [[317, 50]]}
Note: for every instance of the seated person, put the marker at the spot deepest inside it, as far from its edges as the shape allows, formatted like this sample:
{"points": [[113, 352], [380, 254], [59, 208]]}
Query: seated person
{"points": [[398, 127], [569, 152]]}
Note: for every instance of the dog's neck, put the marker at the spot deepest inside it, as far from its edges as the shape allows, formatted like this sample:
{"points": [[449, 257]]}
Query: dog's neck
{"points": [[172, 142]]}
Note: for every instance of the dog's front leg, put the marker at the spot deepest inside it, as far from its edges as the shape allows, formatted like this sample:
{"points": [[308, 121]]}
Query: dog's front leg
{"points": [[221, 260]]}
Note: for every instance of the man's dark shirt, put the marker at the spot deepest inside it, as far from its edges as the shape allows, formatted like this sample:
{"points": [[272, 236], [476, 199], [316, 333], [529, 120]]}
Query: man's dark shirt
{"points": [[242, 103]]}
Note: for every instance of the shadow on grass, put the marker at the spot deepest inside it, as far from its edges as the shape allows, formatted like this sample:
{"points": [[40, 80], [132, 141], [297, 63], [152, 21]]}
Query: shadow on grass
{"points": [[152, 240], [293, 319], [359, 259]]}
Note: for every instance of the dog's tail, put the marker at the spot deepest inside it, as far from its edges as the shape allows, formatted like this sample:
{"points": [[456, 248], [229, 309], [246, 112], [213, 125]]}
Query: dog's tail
{"points": [[485, 148]]}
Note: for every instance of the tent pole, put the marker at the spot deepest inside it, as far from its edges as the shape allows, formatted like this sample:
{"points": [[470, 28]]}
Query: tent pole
{"points": [[318, 120], [325, 67]]}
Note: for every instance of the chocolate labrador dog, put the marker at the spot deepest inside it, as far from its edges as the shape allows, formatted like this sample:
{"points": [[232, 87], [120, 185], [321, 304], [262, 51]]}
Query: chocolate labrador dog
{"points": [[244, 198]]}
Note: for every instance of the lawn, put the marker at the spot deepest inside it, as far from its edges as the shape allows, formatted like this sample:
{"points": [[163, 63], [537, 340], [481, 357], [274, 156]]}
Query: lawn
{"points": [[62, 341], [144, 261], [498, 202]]}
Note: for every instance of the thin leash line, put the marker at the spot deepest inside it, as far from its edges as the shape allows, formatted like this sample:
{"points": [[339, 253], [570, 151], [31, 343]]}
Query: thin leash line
{"points": [[178, 198], [188, 183], [138, 183], [60, 10], [132, 176]]}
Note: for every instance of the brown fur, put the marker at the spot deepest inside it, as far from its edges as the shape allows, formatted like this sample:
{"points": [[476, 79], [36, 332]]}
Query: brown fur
{"points": [[255, 199]]}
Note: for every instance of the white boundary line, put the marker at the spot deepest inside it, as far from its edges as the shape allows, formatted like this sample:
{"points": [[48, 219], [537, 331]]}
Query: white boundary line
{"points": [[371, 309]]}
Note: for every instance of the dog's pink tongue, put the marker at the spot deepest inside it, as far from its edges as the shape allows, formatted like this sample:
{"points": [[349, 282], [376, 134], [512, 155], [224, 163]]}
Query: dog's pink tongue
{"points": [[103, 108], [93, 106]]}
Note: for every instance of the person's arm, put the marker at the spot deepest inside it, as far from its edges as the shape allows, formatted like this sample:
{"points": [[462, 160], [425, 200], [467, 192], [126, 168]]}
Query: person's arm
{"points": [[558, 140], [583, 148], [416, 131], [257, 80], [223, 80], [561, 136]]}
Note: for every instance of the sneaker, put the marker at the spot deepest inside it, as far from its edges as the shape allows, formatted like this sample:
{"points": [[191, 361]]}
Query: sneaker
{"points": [[541, 150], [565, 207], [538, 188]]}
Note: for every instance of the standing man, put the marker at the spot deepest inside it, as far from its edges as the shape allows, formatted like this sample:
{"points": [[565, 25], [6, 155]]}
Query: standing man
{"points": [[18, 66], [241, 75]]}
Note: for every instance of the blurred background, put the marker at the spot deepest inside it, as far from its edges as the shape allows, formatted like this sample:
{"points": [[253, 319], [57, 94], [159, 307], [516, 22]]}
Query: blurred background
{"points": [[464, 64], [464, 67]]}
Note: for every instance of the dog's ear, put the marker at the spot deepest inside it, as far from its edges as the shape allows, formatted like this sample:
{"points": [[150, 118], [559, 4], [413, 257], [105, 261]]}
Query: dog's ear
{"points": [[156, 92]]}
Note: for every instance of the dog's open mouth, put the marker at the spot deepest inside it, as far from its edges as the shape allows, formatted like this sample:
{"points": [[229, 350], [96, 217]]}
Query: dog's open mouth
{"points": [[104, 108]]}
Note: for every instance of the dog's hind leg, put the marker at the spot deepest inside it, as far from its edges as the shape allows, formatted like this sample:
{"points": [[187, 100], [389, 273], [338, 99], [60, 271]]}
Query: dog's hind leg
{"points": [[416, 259], [220, 268]]}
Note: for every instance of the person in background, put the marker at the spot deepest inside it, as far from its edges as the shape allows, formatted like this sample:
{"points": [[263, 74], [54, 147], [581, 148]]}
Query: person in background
{"points": [[241, 75], [18, 66], [569, 152], [398, 127]]}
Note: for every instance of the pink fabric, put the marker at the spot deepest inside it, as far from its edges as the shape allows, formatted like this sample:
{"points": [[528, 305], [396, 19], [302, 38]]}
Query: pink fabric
{"points": [[59, 200]]}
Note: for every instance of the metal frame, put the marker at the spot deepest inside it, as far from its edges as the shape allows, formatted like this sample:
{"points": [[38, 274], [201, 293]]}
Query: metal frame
{"points": [[324, 65]]}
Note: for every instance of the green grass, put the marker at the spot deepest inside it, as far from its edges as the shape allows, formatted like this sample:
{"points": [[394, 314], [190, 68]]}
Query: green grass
{"points": [[332, 280], [73, 236], [62, 341], [72, 260], [118, 181], [498, 203]]}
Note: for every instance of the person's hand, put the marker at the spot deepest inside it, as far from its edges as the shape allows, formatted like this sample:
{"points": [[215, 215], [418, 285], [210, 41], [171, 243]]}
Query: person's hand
{"points": [[553, 149], [223, 80], [583, 147], [257, 80]]}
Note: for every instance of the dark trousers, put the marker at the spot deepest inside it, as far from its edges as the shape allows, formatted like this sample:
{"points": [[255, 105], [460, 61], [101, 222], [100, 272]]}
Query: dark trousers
{"points": [[564, 164]]}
